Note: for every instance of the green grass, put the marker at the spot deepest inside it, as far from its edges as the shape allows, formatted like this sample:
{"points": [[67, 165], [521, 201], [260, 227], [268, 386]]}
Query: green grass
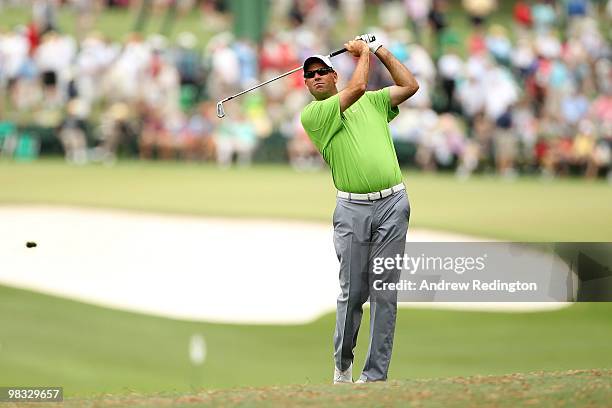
{"points": [[573, 388], [528, 209], [88, 349]]}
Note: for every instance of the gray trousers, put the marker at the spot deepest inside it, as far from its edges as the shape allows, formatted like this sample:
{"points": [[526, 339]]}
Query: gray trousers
{"points": [[363, 231]]}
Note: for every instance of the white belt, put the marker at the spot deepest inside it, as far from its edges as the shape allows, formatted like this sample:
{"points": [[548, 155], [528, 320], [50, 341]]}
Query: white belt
{"points": [[377, 195]]}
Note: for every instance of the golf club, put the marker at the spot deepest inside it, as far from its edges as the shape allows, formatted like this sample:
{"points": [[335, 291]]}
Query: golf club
{"points": [[221, 111]]}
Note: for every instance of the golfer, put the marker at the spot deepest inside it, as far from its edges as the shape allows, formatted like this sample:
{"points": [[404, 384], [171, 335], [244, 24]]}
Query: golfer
{"points": [[350, 130]]}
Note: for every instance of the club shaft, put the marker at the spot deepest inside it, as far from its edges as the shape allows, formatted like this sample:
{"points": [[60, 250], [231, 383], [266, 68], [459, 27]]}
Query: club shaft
{"points": [[333, 54], [262, 84]]}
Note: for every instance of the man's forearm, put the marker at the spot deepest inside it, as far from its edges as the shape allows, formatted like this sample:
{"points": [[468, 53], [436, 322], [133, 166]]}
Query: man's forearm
{"points": [[356, 86], [400, 74], [360, 75]]}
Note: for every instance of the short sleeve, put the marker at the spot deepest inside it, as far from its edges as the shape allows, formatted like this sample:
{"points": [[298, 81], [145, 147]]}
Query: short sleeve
{"points": [[322, 120], [381, 99]]}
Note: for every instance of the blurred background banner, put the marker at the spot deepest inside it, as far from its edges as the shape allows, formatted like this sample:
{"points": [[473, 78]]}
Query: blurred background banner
{"points": [[250, 18]]}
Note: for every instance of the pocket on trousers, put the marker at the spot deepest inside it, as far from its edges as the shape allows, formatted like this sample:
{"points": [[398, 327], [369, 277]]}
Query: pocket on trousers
{"points": [[407, 206], [335, 217]]}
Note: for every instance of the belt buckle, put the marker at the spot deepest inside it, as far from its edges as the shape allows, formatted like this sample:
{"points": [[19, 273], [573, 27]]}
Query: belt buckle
{"points": [[374, 195]]}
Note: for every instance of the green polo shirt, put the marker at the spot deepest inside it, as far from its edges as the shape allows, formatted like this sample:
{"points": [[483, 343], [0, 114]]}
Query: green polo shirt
{"points": [[356, 143]]}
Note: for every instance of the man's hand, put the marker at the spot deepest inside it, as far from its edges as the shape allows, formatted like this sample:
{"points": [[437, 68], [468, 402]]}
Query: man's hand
{"points": [[370, 39], [356, 48]]}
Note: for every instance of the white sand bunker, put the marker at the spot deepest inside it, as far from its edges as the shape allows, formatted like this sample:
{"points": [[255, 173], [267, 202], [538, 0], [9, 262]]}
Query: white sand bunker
{"points": [[224, 270]]}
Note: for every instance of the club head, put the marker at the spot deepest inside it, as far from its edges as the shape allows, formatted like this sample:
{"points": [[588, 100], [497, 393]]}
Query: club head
{"points": [[220, 110]]}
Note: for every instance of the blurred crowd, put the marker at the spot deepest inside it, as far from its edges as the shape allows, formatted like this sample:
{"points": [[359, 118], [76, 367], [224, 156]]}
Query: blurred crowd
{"points": [[530, 91]]}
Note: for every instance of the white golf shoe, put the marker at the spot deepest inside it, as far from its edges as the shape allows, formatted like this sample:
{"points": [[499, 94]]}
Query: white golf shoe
{"points": [[363, 380], [343, 377]]}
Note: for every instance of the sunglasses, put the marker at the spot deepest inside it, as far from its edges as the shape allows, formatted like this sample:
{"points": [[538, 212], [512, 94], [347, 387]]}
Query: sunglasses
{"points": [[320, 71]]}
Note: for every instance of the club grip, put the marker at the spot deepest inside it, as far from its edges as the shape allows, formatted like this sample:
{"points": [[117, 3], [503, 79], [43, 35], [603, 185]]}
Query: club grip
{"points": [[343, 50], [333, 54]]}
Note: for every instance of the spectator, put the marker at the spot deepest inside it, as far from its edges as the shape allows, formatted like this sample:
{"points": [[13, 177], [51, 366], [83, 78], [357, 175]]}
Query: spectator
{"points": [[576, 8], [523, 58], [352, 10], [224, 78], [92, 63], [117, 129], [188, 63], [479, 10], [44, 15], [54, 57], [123, 79], [174, 141], [471, 94], [235, 138], [522, 16], [539, 99], [153, 132], [450, 67], [72, 133], [13, 57], [574, 108], [525, 127], [199, 144], [502, 91], [544, 16], [85, 11], [437, 21], [498, 44], [583, 148], [417, 11], [505, 145]]}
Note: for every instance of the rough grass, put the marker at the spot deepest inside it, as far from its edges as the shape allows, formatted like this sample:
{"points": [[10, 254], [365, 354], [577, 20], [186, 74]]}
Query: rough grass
{"points": [[572, 388]]}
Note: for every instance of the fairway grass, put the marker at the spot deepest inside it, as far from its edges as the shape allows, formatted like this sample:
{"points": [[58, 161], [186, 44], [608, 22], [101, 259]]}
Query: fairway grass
{"points": [[90, 350], [572, 388], [527, 209]]}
